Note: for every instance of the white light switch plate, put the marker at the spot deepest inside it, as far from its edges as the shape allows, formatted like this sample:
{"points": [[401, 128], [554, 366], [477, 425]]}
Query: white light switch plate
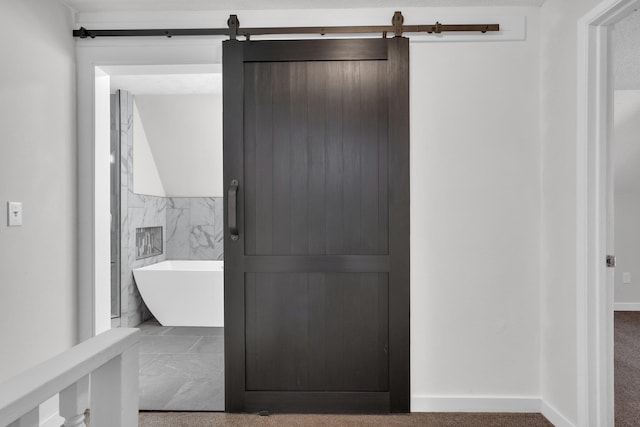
{"points": [[626, 278], [14, 214]]}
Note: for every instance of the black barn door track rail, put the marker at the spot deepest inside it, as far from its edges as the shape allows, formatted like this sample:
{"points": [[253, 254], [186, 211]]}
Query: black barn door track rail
{"points": [[234, 30]]}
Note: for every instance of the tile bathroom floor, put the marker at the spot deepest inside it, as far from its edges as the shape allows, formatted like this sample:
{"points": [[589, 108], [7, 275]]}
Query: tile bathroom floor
{"points": [[181, 368]]}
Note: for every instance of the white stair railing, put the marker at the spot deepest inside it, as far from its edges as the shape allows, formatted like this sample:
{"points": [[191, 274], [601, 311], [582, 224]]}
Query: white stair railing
{"points": [[109, 362]]}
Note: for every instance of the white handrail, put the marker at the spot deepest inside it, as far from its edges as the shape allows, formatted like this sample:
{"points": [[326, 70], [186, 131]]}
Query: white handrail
{"points": [[112, 356]]}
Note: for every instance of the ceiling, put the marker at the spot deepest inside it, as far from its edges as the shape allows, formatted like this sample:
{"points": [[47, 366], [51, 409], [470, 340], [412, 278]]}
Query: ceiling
{"points": [[166, 79], [166, 5], [169, 84]]}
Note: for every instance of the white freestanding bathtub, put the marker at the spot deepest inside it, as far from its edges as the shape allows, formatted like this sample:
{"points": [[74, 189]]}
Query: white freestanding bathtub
{"points": [[183, 293]]}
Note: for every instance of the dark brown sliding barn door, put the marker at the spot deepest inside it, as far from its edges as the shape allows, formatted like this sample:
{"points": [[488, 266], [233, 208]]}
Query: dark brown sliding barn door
{"points": [[316, 158]]}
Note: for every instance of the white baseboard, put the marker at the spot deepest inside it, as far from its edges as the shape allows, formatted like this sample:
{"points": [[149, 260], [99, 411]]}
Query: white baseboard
{"points": [[489, 404], [474, 404], [554, 417], [626, 306]]}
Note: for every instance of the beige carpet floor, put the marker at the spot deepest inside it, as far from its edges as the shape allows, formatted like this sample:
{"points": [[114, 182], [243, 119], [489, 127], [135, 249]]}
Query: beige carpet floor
{"points": [[210, 419], [627, 368]]}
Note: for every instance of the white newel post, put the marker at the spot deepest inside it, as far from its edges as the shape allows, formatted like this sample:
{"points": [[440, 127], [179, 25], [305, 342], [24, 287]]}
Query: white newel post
{"points": [[114, 391], [30, 419], [74, 400]]}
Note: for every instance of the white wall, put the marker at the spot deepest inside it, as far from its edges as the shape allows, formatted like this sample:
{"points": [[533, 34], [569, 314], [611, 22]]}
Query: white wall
{"points": [[475, 219], [38, 293], [146, 176], [626, 153], [184, 133], [558, 68]]}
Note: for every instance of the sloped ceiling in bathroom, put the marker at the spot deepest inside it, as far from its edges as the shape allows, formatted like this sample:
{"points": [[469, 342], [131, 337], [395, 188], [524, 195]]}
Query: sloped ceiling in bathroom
{"points": [[184, 133]]}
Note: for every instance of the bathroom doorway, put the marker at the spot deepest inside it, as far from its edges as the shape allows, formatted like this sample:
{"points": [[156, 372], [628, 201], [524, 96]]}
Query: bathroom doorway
{"points": [[167, 126]]}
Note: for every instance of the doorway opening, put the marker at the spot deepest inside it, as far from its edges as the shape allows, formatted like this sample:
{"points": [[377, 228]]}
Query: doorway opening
{"points": [[626, 210], [595, 212], [166, 229]]}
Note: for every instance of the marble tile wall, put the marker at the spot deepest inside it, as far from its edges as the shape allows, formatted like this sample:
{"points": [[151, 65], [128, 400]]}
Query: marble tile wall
{"points": [[136, 211], [194, 228]]}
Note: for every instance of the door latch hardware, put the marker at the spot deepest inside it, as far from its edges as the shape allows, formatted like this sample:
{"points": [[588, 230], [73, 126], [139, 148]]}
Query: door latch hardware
{"points": [[611, 261], [232, 204]]}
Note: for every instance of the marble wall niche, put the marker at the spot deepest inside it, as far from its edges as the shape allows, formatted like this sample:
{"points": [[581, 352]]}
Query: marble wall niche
{"points": [[149, 242], [194, 228]]}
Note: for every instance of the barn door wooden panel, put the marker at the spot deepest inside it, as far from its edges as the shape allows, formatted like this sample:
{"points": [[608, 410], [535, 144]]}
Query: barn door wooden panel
{"points": [[316, 157]]}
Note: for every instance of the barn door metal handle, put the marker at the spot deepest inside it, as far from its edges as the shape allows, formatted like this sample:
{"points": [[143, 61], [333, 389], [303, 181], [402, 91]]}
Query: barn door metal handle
{"points": [[233, 209]]}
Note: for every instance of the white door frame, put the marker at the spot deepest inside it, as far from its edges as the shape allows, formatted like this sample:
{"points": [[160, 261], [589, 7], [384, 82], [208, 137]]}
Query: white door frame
{"points": [[93, 192], [594, 234]]}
